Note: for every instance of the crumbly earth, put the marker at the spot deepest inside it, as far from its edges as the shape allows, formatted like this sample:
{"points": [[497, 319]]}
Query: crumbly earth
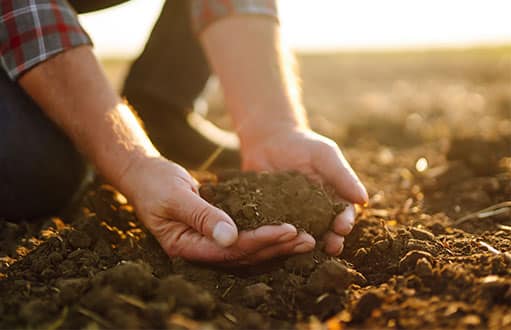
{"points": [[401, 268], [256, 199], [430, 251]]}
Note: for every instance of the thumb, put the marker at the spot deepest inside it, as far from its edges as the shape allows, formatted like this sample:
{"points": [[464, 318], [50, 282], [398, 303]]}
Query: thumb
{"points": [[191, 209]]}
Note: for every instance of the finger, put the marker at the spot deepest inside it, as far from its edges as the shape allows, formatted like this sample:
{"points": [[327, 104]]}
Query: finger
{"points": [[301, 244], [180, 240], [334, 243], [252, 241], [344, 222], [189, 208], [335, 169]]}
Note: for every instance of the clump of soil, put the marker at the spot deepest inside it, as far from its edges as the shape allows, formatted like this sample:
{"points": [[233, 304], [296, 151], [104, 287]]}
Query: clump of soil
{"points": [[257, 199]]}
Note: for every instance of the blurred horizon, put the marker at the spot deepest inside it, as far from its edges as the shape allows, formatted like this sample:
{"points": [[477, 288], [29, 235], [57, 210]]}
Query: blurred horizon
{"points": [[333, 25]]}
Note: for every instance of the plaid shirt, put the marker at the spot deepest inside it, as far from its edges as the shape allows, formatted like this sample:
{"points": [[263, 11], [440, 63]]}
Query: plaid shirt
{"points": [[32, 31], [205, 12]]}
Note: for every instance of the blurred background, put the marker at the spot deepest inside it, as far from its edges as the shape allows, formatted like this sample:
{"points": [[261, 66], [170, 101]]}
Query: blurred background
{"points": [[333, 25], [397, 73]]}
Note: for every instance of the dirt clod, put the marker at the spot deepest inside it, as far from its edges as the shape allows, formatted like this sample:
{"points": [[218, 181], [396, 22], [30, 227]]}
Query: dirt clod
{"points": [[422, 234], [256, 199], [409, 261], [333, 275]]}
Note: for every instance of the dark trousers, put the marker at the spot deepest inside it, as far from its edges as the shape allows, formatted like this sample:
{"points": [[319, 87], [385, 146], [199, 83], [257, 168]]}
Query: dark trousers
{"points": [[40, 170]]}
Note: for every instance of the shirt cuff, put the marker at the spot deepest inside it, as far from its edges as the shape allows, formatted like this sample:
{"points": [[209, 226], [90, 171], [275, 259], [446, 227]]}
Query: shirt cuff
{"points": [[206, 12], [33, 33]]}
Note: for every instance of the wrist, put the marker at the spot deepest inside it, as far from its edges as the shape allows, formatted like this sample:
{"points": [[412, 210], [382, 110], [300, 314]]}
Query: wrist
{"points": [[259, 128], [131, 177]]}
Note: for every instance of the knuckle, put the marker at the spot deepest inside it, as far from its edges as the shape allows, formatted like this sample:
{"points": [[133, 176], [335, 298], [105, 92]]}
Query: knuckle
{"points": [[173, 245], [170, 238], [200, 218]]}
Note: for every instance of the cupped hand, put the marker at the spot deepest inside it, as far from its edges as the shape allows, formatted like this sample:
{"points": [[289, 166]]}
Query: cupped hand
{"points": [[166, 199], [316, 156]]}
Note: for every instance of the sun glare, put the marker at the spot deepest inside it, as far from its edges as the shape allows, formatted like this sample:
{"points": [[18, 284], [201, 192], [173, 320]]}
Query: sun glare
{"points": [[334, 24]]}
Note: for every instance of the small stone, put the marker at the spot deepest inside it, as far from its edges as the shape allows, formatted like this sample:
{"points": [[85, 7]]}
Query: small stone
{"points": [[79, 239], [410, 259], [256, 294]]}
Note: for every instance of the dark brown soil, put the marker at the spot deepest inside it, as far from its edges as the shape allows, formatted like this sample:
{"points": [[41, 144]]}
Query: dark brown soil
{"points": [[402, 267], [106, 270], [430, 251], [256, 199]]}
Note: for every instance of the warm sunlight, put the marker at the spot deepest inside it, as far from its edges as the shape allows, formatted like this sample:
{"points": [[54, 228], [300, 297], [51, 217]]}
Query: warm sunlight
{"points": [[334, 24], [212, 181]]}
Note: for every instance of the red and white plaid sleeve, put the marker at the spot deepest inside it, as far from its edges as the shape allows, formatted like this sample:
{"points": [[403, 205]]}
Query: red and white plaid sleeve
{"points": [[205, 12], [31, 31]]}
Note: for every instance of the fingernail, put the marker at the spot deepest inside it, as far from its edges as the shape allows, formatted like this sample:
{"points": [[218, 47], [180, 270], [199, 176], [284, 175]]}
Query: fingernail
{"points": [[340, 250], [224, 234], [363, 193], [349, 214], [289, 235]]}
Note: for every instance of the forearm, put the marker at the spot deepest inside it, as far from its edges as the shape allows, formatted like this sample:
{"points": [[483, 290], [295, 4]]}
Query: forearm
{"points": [[73, 91], [256, 72]]}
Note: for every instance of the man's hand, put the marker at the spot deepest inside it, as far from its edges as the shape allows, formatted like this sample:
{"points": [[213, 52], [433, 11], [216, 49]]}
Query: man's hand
{"points": [[166, 199], [319, 158], [262, 93], [73, 91]]}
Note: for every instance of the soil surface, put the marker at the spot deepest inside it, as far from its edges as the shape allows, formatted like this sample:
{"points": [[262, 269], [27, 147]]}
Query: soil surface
{"points": [[256, 199], [401, 267], [430, 251]]}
